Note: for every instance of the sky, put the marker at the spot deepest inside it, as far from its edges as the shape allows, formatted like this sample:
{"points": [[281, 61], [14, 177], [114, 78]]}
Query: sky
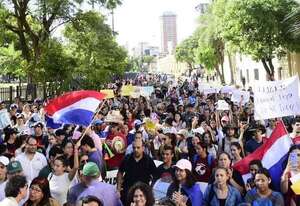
{"points": [[138, 20]]}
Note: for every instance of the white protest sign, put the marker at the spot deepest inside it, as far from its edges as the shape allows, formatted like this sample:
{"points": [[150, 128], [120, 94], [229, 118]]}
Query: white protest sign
{"points": [[228, 89], [238, 96], [147, 91], [276, 98], [222, 105]]}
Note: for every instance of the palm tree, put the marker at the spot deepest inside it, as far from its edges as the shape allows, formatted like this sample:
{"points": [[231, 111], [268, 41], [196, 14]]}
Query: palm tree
{"points": [[293, 20]]}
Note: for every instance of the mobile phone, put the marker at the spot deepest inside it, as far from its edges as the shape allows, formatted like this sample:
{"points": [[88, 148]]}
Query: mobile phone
{"points": [[294, 160]]}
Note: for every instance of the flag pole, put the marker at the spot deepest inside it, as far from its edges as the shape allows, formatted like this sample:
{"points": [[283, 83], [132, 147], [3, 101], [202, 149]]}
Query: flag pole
{"points": [[99, 108]]}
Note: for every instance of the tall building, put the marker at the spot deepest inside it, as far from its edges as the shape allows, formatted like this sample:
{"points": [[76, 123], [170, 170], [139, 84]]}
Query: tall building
{"points": [[168, 32]]}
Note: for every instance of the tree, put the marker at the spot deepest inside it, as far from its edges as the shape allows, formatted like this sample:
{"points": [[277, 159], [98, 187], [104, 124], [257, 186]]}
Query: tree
{"points": [[293, 21], [33, 22], [210, 41], [92, 44], [11, 62], [185, 51], [245, 26]]}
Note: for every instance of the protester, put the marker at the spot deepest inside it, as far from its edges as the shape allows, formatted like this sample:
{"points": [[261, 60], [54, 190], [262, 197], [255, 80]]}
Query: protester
{"points": [[91, 201], [15, 191], [203, 163], [184, 190], [292, 169], [39, 193], [91, 186], [134, 168], [177, 120], [165, 171], [4, 161], [220, 192], [60, 179], [31, 160], [235, 178], [236, 152], [257, 140], [254, 167], [140, 194], [263, 194]]}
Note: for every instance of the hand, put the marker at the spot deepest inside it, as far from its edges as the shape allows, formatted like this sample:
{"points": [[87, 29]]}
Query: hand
{"points": [[248, 187], [179, 199]]}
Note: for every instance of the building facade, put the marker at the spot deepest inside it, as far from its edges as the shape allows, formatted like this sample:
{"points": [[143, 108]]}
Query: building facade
{"points": [[168, 29]]}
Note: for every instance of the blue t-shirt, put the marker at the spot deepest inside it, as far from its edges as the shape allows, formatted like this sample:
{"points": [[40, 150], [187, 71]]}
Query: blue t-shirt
{"points": [[274, 199]]}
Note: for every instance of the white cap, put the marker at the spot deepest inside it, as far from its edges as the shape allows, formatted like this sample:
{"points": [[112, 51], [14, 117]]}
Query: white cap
{"points": [[4, 160], [184, 164]]}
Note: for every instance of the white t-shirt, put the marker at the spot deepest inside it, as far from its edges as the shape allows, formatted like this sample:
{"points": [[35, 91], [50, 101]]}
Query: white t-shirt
{"points": [[9, 201], [59, 186], [2, 192], [31, 168]]}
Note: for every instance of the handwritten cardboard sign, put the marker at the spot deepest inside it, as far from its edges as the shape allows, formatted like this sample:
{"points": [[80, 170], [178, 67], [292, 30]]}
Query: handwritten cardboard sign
{"points": [[109, 93], [276, 98], [127, 90], [240, 96], [222, 105]]}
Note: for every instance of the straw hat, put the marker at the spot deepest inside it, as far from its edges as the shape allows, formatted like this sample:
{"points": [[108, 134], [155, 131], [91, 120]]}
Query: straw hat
{"points": [[114, 116]]}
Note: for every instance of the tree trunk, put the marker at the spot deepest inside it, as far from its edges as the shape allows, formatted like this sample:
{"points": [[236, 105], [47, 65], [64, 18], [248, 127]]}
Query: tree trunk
{"points": [[272, 70], [231, 69], [268, 65], [220, 75]]}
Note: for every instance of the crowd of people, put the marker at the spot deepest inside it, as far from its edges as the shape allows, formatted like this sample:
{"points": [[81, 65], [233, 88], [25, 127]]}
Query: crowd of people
{"points": [[172, 148]]}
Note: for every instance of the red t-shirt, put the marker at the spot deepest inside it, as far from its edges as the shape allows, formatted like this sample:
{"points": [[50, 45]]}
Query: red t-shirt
{"points": [[202, 170], [117, 159], [296, 140]]}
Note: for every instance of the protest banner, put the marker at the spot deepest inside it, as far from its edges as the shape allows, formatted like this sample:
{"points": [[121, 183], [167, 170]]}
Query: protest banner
{"points": [[109, 93], [127, 90], [227, 89], [275, 99], [136, 92], [238, 96], [222, 105], [147, 91]]}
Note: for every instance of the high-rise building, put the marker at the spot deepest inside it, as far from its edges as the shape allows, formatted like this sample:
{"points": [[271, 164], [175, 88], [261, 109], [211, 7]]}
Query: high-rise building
{"points": [[168, 32]]}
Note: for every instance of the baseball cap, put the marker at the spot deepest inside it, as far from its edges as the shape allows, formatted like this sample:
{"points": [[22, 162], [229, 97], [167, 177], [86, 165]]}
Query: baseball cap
{"points": [[184, 164], [13, 167], [4, 160], [38, 124], [91, 169], [13, 106], [98, 122]]}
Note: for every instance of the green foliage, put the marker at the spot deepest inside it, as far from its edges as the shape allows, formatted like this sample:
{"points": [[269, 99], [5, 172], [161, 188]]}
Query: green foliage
{"points": [[97, 54], [206, 56], [133, 64], [11, 62], [185, 51], [256, 26], [29, 25]]}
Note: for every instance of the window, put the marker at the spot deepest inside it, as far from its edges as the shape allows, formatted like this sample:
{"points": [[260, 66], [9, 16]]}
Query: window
{"points": [[256, 74]]}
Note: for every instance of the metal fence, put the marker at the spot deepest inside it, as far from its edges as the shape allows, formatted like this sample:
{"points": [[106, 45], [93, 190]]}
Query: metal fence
{"points": [[26, 92]]}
